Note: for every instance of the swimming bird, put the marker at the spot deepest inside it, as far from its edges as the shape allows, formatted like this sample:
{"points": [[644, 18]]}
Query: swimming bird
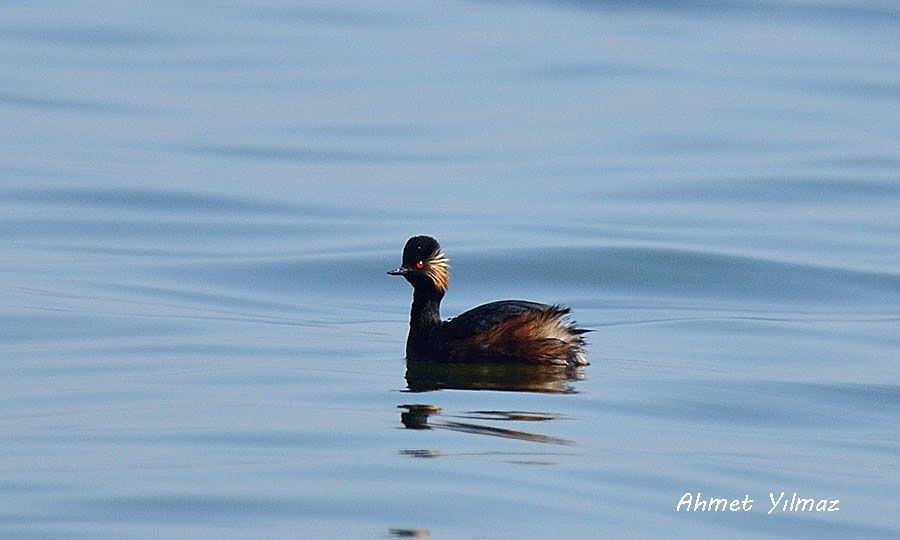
{"points": [[512, 331]]}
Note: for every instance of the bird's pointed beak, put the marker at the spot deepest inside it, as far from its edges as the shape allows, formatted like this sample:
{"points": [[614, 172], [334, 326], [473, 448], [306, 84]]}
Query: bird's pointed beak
{"points": [[398, 271]]}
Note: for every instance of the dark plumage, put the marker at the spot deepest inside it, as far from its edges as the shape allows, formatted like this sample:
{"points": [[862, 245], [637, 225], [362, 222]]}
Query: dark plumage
{"points": [[505, 331]]}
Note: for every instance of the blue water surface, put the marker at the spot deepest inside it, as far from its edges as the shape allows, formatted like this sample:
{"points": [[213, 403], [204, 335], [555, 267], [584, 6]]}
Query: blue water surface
{"points": [[199, 201]]}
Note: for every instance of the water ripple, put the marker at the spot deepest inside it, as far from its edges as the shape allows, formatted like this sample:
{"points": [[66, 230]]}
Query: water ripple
{"points": [[770, 405], [783, 190], [330, 155], [677, 272], [588, 272], [833, 11], [155, 200], [105, 36], [57, 103]]}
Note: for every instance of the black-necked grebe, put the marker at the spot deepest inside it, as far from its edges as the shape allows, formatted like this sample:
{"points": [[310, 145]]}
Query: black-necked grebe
{"points": [[505, 331]]}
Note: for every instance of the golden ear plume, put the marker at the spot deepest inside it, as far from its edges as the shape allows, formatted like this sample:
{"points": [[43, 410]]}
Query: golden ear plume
{"points": [[437, 268]]}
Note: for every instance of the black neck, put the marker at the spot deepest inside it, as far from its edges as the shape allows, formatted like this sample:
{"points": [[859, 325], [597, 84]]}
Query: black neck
{"points": [[426, 309]]}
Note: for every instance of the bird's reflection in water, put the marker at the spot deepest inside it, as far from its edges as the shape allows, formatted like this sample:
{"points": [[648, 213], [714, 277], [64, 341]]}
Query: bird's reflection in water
{"points": [[418, 416], [425, 377], [409, 533]]}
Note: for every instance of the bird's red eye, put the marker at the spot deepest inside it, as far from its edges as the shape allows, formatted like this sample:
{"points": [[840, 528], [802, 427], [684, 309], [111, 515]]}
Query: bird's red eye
{"points": [[420, 265]]}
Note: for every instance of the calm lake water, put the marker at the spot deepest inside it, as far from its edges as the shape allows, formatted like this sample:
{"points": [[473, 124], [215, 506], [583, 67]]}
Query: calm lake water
{"points": [[200, 201]]}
